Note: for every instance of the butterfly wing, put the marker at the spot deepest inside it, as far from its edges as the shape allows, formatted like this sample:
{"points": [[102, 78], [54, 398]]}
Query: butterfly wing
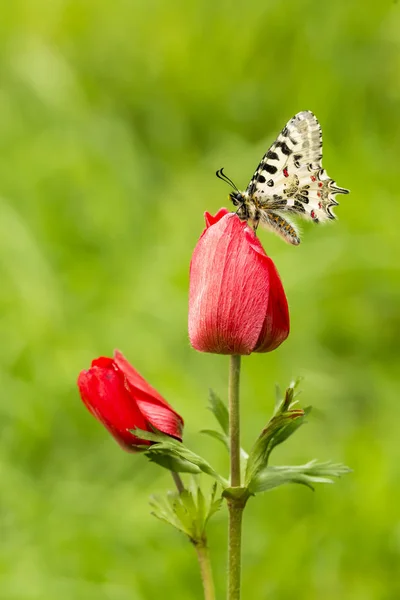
{"points": [[290, 176]]}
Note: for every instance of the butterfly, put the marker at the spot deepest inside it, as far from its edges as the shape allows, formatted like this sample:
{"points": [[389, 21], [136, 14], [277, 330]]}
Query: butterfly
{"points": [[289, 179]]}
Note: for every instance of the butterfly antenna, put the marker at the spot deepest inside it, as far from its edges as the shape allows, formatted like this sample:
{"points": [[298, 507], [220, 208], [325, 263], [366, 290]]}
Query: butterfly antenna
{"points": [[221, 175]]}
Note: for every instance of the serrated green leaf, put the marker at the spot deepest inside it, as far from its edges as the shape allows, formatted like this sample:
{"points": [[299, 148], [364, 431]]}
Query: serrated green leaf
{"points": [[215, 506], [279, 428], [161, 506], [164, 510], [188, 511], [284, 422], [287, 430], [312, 472], [220, 411], [201, 506]]}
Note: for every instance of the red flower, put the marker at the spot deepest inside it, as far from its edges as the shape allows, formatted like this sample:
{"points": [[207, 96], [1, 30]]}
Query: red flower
{"points": [[121, 399], [237, 304]]}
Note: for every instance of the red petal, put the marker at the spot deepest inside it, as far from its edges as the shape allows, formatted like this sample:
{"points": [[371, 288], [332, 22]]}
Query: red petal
{"points": [[228, 289], [162, 418], [211, 220], [135, 380], [152, 405], [104, 394], [103, 361], [277, 324]]}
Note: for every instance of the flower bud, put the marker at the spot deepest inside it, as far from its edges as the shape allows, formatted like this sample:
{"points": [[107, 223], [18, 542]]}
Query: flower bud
{"points": [[237, 304], [122, 400]]}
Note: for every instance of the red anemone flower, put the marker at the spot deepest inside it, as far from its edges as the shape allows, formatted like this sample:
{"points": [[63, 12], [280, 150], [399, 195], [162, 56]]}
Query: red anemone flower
{"points": [[237, 304], [122, 400]]}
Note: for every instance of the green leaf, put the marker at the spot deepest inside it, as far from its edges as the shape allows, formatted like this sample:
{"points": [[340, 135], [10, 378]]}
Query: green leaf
{"points": [[308, 474], [279, 428], [278, 398], [169, 451], [186, 512], [220, 411], [201, 506], [283, 404], [189, 511], [152, 436], [163, 509], [214, 507], [286, 419], [218, 436], [225, 441], [173, 463], [295, 420]]}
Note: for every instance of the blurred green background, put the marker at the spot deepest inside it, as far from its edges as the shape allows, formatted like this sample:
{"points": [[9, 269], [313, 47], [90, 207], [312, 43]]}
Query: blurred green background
{"points": [[114, 117]]}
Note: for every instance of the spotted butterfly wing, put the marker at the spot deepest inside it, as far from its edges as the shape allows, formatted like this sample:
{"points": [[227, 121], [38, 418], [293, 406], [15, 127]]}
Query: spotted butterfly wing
{"points": [[290, 178]]}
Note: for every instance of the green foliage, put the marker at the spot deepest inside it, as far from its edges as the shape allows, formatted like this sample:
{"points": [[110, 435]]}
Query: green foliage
{"points": [[259, 477], [174, 455], [312, 472], [217, 435], [284, 403], [220, 411], [114, 118], [189, 511], [285, 421]]}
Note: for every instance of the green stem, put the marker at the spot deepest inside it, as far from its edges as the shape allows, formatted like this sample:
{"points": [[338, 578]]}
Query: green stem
{"points": [[205, 570], [178, 482], [235, 505], [234, 548], [234, 419]]}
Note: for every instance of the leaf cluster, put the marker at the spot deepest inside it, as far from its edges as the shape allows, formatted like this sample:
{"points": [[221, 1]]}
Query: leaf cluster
{"points": [[190, 510]]}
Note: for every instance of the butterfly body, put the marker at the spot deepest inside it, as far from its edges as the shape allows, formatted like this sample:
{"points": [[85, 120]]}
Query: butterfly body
{"points": [[253, 211], [289, 179]]}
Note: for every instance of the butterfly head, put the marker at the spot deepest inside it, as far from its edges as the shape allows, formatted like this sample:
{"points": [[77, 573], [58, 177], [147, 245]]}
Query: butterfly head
{"points": [[237, 198]]}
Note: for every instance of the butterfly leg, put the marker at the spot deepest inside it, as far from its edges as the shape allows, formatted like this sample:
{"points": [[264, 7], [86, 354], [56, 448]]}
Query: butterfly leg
{"points": [[241, 212], [254, 219]]}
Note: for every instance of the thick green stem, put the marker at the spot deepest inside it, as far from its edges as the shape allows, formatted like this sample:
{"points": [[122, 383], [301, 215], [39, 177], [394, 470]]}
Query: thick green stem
{"points": [[205, 570], [234, 419], [234, 549], [235, 505]]}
